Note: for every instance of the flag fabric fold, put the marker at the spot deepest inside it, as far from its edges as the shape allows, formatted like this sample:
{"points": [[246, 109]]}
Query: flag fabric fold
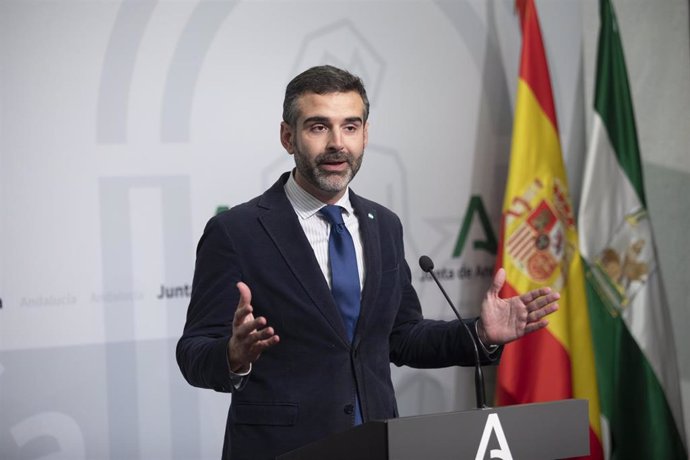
{"points": [[539, 247], [632, 334]]}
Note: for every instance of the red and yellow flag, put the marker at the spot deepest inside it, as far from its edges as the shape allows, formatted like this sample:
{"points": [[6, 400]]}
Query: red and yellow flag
{"points": [[539, 247]]}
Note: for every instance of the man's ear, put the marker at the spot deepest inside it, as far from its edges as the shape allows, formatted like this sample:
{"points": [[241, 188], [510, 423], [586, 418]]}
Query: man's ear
{"points": [[287, 137]]}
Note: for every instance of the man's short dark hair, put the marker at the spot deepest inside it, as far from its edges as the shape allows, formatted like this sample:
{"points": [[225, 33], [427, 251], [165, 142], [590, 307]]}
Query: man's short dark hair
{"points": [[323, 79]]}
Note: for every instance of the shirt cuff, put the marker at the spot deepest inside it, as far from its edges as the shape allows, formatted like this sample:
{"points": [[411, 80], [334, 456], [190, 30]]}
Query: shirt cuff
{"points": [[242, 374], [240, 380], [491, 349]]}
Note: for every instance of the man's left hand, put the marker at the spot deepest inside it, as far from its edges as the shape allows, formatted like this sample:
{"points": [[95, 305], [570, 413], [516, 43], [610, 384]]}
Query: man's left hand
{"points": [[504, 320]]}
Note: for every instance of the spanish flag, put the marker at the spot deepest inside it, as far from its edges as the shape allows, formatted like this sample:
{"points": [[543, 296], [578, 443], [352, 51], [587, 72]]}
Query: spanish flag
{"points": [[539, 247]]}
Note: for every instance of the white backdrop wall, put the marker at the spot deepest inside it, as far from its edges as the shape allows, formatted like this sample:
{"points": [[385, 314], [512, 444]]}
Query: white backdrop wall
{"points": [[126, 124]]}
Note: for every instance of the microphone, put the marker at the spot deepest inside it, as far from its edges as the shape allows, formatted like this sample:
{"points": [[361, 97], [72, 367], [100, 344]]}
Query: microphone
{"points": [[427, 265]]}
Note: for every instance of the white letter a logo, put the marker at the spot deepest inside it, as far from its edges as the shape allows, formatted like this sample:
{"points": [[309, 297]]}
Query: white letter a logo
{"points": [[493, 425]]}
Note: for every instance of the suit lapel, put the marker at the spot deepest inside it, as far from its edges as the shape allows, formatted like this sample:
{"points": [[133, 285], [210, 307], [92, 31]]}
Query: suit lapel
{"points": [[283, 227], [369, 229]]}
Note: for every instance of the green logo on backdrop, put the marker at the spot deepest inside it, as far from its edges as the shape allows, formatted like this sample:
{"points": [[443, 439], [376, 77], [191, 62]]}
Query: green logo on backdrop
{"points": [[476, 208]]}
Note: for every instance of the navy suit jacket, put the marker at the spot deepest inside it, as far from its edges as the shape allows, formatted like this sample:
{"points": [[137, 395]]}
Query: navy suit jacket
{"points": [[304, 388]]}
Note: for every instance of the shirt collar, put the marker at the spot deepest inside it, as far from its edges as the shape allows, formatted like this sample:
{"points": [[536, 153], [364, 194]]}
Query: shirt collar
{"points": [[305, 204]]}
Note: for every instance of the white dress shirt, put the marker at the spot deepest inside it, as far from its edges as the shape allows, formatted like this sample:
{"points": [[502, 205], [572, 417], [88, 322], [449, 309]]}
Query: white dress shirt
{"points": [[317, 228]]}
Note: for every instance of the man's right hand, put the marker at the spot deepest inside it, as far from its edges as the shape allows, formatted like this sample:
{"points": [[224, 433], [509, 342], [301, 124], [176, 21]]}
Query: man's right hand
{"points": [[250, 336]]}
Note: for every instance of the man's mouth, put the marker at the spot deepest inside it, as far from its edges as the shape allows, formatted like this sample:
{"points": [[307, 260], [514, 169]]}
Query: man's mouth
{"points": [[334, 164]]}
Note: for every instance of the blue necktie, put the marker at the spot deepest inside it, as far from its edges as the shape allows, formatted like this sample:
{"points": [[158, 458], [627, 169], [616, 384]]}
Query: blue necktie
{"points": [[344, 276]]}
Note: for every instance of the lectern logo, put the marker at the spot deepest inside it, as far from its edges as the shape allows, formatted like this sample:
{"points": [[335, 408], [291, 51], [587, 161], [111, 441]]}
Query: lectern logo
{"points": [[493, 425]]}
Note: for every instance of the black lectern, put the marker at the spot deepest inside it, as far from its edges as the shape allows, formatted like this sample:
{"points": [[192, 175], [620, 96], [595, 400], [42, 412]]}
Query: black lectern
{"points": [[550, 430]]}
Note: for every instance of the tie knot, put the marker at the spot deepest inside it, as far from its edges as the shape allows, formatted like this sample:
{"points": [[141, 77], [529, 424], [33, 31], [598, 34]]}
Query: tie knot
{"points": [[333, 213]]}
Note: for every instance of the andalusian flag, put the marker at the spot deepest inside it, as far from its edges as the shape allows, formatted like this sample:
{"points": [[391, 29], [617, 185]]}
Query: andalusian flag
{"points": [[539, 247], [633, 340]]}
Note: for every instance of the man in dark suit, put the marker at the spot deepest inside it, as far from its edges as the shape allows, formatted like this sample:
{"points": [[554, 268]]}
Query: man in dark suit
{"points": [[320, 367]]}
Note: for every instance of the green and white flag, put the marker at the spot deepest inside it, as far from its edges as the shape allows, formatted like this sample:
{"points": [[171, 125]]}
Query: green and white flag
{"points": [[637, 369]]}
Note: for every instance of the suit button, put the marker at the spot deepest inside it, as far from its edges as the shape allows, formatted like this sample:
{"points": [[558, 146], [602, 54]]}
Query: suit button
{"points": [[349, 409]]}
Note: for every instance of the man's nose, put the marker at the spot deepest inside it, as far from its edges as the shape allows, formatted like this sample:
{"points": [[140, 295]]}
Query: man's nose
{"points": [[335, 141]]}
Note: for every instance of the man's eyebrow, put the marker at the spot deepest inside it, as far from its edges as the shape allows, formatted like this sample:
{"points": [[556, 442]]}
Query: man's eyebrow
{"points": [[326, 120]]}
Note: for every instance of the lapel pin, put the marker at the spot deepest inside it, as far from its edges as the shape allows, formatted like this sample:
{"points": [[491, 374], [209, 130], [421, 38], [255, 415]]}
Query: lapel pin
{"points": [[371, 216]]}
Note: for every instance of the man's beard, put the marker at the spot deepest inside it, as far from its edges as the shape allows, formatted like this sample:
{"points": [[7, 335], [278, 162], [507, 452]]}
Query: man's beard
{"points": [[326, 181]]}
